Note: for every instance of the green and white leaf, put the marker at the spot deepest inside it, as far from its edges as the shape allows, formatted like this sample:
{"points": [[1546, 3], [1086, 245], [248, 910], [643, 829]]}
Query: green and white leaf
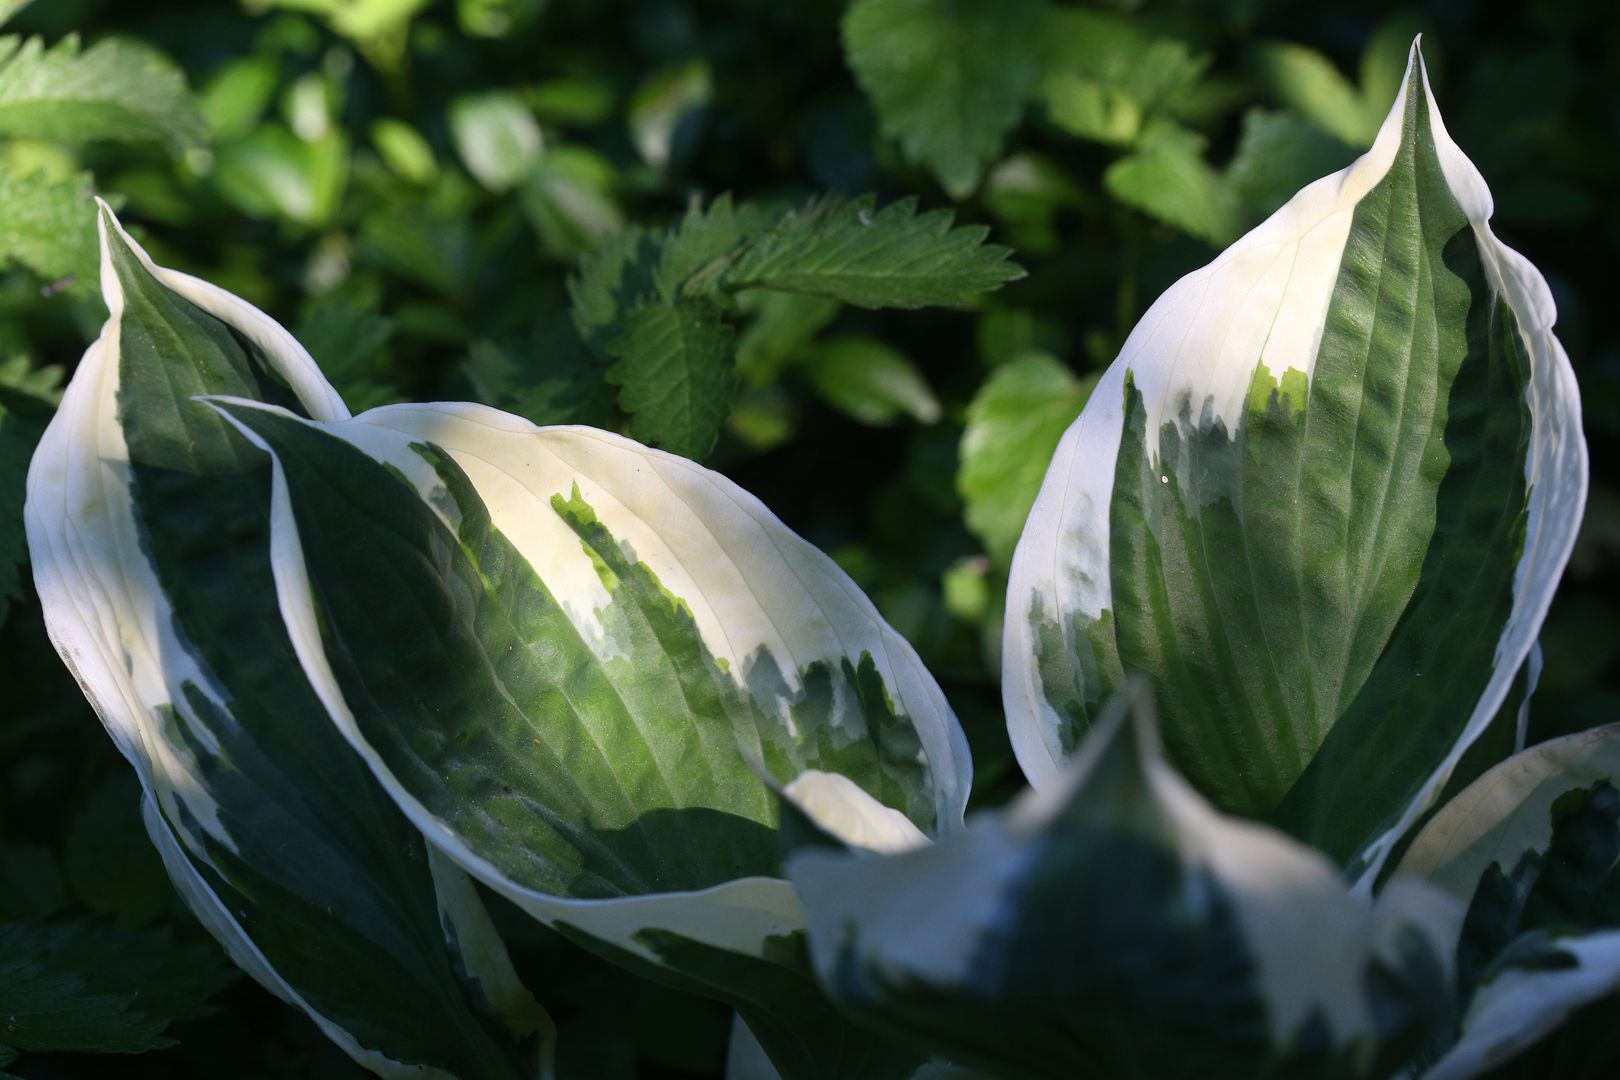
{"points": [[116, 89], [1532, 848], [147, 520], [1321, 500], [564, 655], [1114, 924]]}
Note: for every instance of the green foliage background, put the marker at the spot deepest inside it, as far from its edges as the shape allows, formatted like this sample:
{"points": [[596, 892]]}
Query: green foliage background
{"points": [[451, 200]]}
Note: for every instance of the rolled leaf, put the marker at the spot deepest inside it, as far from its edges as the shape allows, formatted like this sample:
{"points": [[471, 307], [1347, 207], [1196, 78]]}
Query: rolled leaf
{"points": [[148, 527], [1114, 924], [1532, 849], [1321, 500], [564, 654]]}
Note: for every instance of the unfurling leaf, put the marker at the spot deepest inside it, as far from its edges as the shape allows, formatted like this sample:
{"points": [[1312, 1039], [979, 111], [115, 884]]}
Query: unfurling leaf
{"points": [[1321, 500]]}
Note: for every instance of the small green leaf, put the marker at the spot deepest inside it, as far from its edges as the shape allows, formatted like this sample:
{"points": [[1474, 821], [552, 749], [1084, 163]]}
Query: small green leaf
{"points": [[1105, 79], [404, 151], [871, 381], [497, 138], [116, 89], [235, 98], [893, 257], [88, 988], [1013, 424], [274, 173], [664, 110], [1307, 82], [1167, 178], [674, 374], [948, 80], [569, 198], [49, 226]]}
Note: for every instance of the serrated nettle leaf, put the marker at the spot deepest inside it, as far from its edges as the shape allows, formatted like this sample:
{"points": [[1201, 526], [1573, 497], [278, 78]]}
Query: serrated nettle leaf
{"points": [[947, 81], [674, 374], [1115, 924], [116, 89], [147, 521], [1321, 499], [564, 653], [1532, 848], [874, 258], [657, 303]]}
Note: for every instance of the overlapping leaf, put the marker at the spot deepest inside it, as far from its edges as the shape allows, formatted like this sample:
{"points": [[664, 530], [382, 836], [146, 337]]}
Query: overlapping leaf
{"points": [[1116, 925], [1532, 848], [147, 522], [1321, 499], [565, 655]]}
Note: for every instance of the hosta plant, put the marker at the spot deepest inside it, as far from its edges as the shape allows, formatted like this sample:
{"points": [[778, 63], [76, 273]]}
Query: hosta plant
{"points": [[1275, 604]]}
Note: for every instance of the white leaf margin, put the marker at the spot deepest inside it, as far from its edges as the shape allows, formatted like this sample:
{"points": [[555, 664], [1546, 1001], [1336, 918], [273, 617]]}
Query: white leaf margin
{"points": [[921, 914], [109, 620], [739, 915], [1265, 300], [1498, 818]]}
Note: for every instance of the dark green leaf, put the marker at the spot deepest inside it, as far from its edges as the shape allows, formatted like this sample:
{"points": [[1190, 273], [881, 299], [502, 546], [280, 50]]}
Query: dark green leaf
{"points": [[674, 374]]}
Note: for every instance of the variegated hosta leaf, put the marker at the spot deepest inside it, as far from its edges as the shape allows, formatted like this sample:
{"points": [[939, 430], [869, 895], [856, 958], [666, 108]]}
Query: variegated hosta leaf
{"points": [[1321, 500], [1114, 925], [148, 527], [1533, 849], [564, 654]]}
